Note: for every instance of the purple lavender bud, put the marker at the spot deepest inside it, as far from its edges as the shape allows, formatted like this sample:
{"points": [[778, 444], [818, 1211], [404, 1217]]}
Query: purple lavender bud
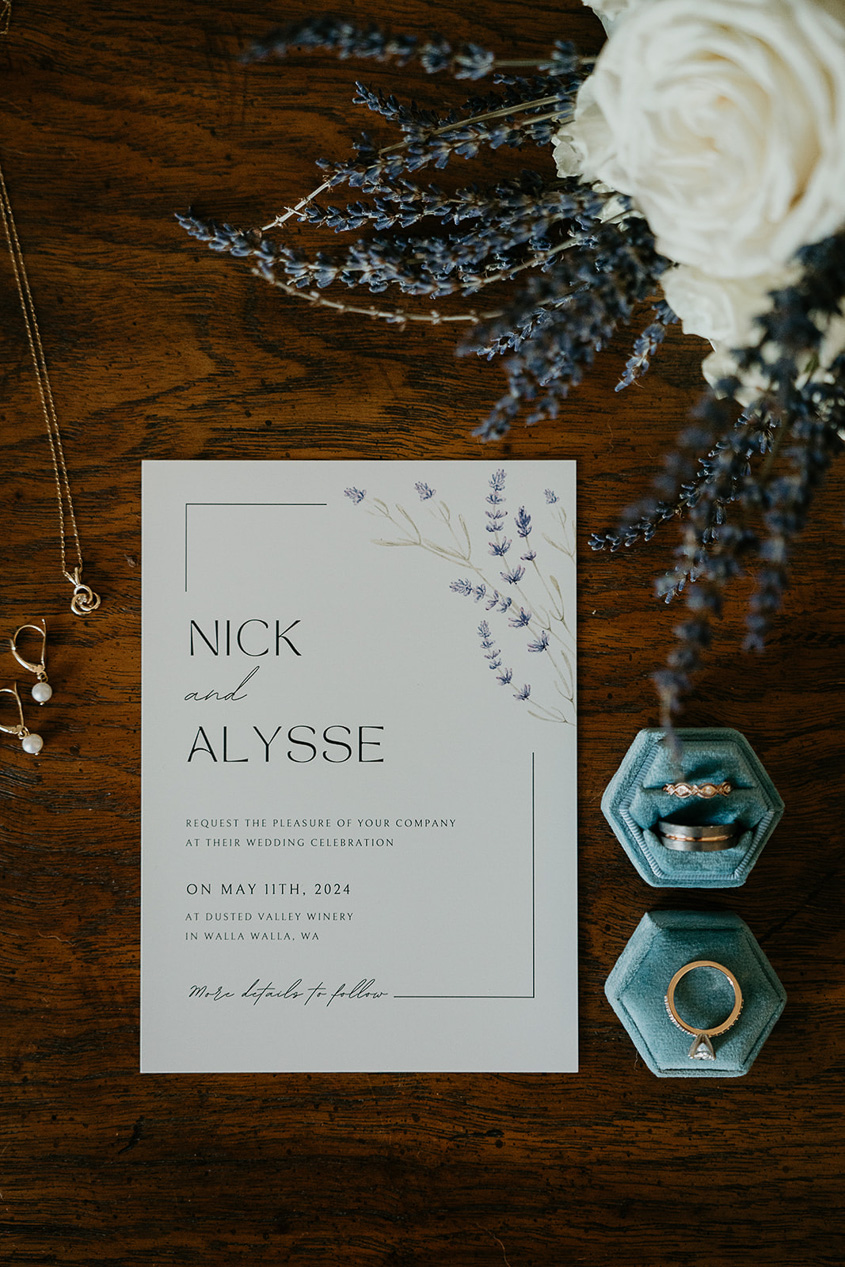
{"points": [[523, 522]]}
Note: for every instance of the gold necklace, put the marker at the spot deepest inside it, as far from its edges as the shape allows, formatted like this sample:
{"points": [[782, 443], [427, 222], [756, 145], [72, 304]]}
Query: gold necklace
{"points": [[84, 599]]}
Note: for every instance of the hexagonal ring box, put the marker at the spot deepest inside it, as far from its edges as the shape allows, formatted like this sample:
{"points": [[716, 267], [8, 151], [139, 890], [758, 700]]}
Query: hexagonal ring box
{"points": [[663, 943], [636, 800]]}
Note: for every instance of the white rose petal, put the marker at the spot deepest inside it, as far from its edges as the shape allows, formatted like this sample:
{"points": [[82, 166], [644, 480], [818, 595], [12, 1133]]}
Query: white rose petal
{"points": [[725, 122], [608, 10], [567, 159], [722, 364], [722, 309]]}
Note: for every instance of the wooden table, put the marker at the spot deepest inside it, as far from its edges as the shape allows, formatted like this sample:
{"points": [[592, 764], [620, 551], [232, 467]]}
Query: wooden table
{"points": [[112, 117]]}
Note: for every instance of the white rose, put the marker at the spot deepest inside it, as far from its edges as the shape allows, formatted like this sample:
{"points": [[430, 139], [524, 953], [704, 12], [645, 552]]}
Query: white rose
{"points": [[608, 10], [722, 309], [725, 122]]}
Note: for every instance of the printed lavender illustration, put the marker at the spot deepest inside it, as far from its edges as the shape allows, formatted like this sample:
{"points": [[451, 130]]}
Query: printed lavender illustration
{"points": [[508, 564]]}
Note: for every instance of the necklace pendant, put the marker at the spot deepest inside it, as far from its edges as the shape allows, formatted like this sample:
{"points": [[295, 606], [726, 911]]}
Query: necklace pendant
{"points": [[84, 599]]}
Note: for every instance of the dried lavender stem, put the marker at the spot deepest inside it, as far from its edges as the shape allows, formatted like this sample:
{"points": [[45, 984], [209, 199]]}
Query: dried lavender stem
{"points": [[501, 113], [292, 211], [447, 127], [397, 316], [519, 62], [401, 316]]}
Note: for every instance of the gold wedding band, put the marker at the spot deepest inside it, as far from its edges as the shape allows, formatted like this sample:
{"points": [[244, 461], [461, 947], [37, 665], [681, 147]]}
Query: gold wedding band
{"points": [[696, 837], [705, 790], [702, 1046]]}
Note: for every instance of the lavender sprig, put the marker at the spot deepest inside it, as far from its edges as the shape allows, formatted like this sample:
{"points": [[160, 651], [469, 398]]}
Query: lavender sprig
{"points": [[435, 54], [346, 40], [746, 501], [647, 344]]}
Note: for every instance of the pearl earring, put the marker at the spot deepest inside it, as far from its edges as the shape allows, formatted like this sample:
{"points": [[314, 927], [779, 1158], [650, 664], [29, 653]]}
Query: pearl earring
{"points": [[30, 743], [42, 690]]}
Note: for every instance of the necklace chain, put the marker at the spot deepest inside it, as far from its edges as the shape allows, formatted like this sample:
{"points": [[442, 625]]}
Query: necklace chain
{"points": [[84, 599]]}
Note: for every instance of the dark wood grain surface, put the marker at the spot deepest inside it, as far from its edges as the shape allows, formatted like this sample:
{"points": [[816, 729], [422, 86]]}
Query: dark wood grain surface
{"points": [[112, 117]]}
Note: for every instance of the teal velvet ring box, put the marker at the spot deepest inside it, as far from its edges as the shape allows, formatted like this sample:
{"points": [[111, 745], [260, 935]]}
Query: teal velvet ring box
{"points": [[662, 944], [635, 802]]}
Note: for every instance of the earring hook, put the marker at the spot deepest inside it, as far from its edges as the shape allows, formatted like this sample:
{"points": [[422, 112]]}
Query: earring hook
{"points": [[42, 690], [40, 669], [29, 742], [20, 729]]}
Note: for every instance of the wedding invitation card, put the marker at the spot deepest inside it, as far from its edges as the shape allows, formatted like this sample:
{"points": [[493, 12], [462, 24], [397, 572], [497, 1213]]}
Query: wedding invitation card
{"points": [[359, 766]]}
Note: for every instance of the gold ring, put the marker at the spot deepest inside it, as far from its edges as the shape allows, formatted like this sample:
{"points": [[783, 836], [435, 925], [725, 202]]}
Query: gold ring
{"points": [[696, 837], [702, 1047], [705, 790]]}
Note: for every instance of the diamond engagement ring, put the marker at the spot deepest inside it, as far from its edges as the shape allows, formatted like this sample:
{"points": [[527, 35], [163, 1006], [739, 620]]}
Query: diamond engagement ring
{"points": [[705, 790], [702, 1046], [696, 837]]}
